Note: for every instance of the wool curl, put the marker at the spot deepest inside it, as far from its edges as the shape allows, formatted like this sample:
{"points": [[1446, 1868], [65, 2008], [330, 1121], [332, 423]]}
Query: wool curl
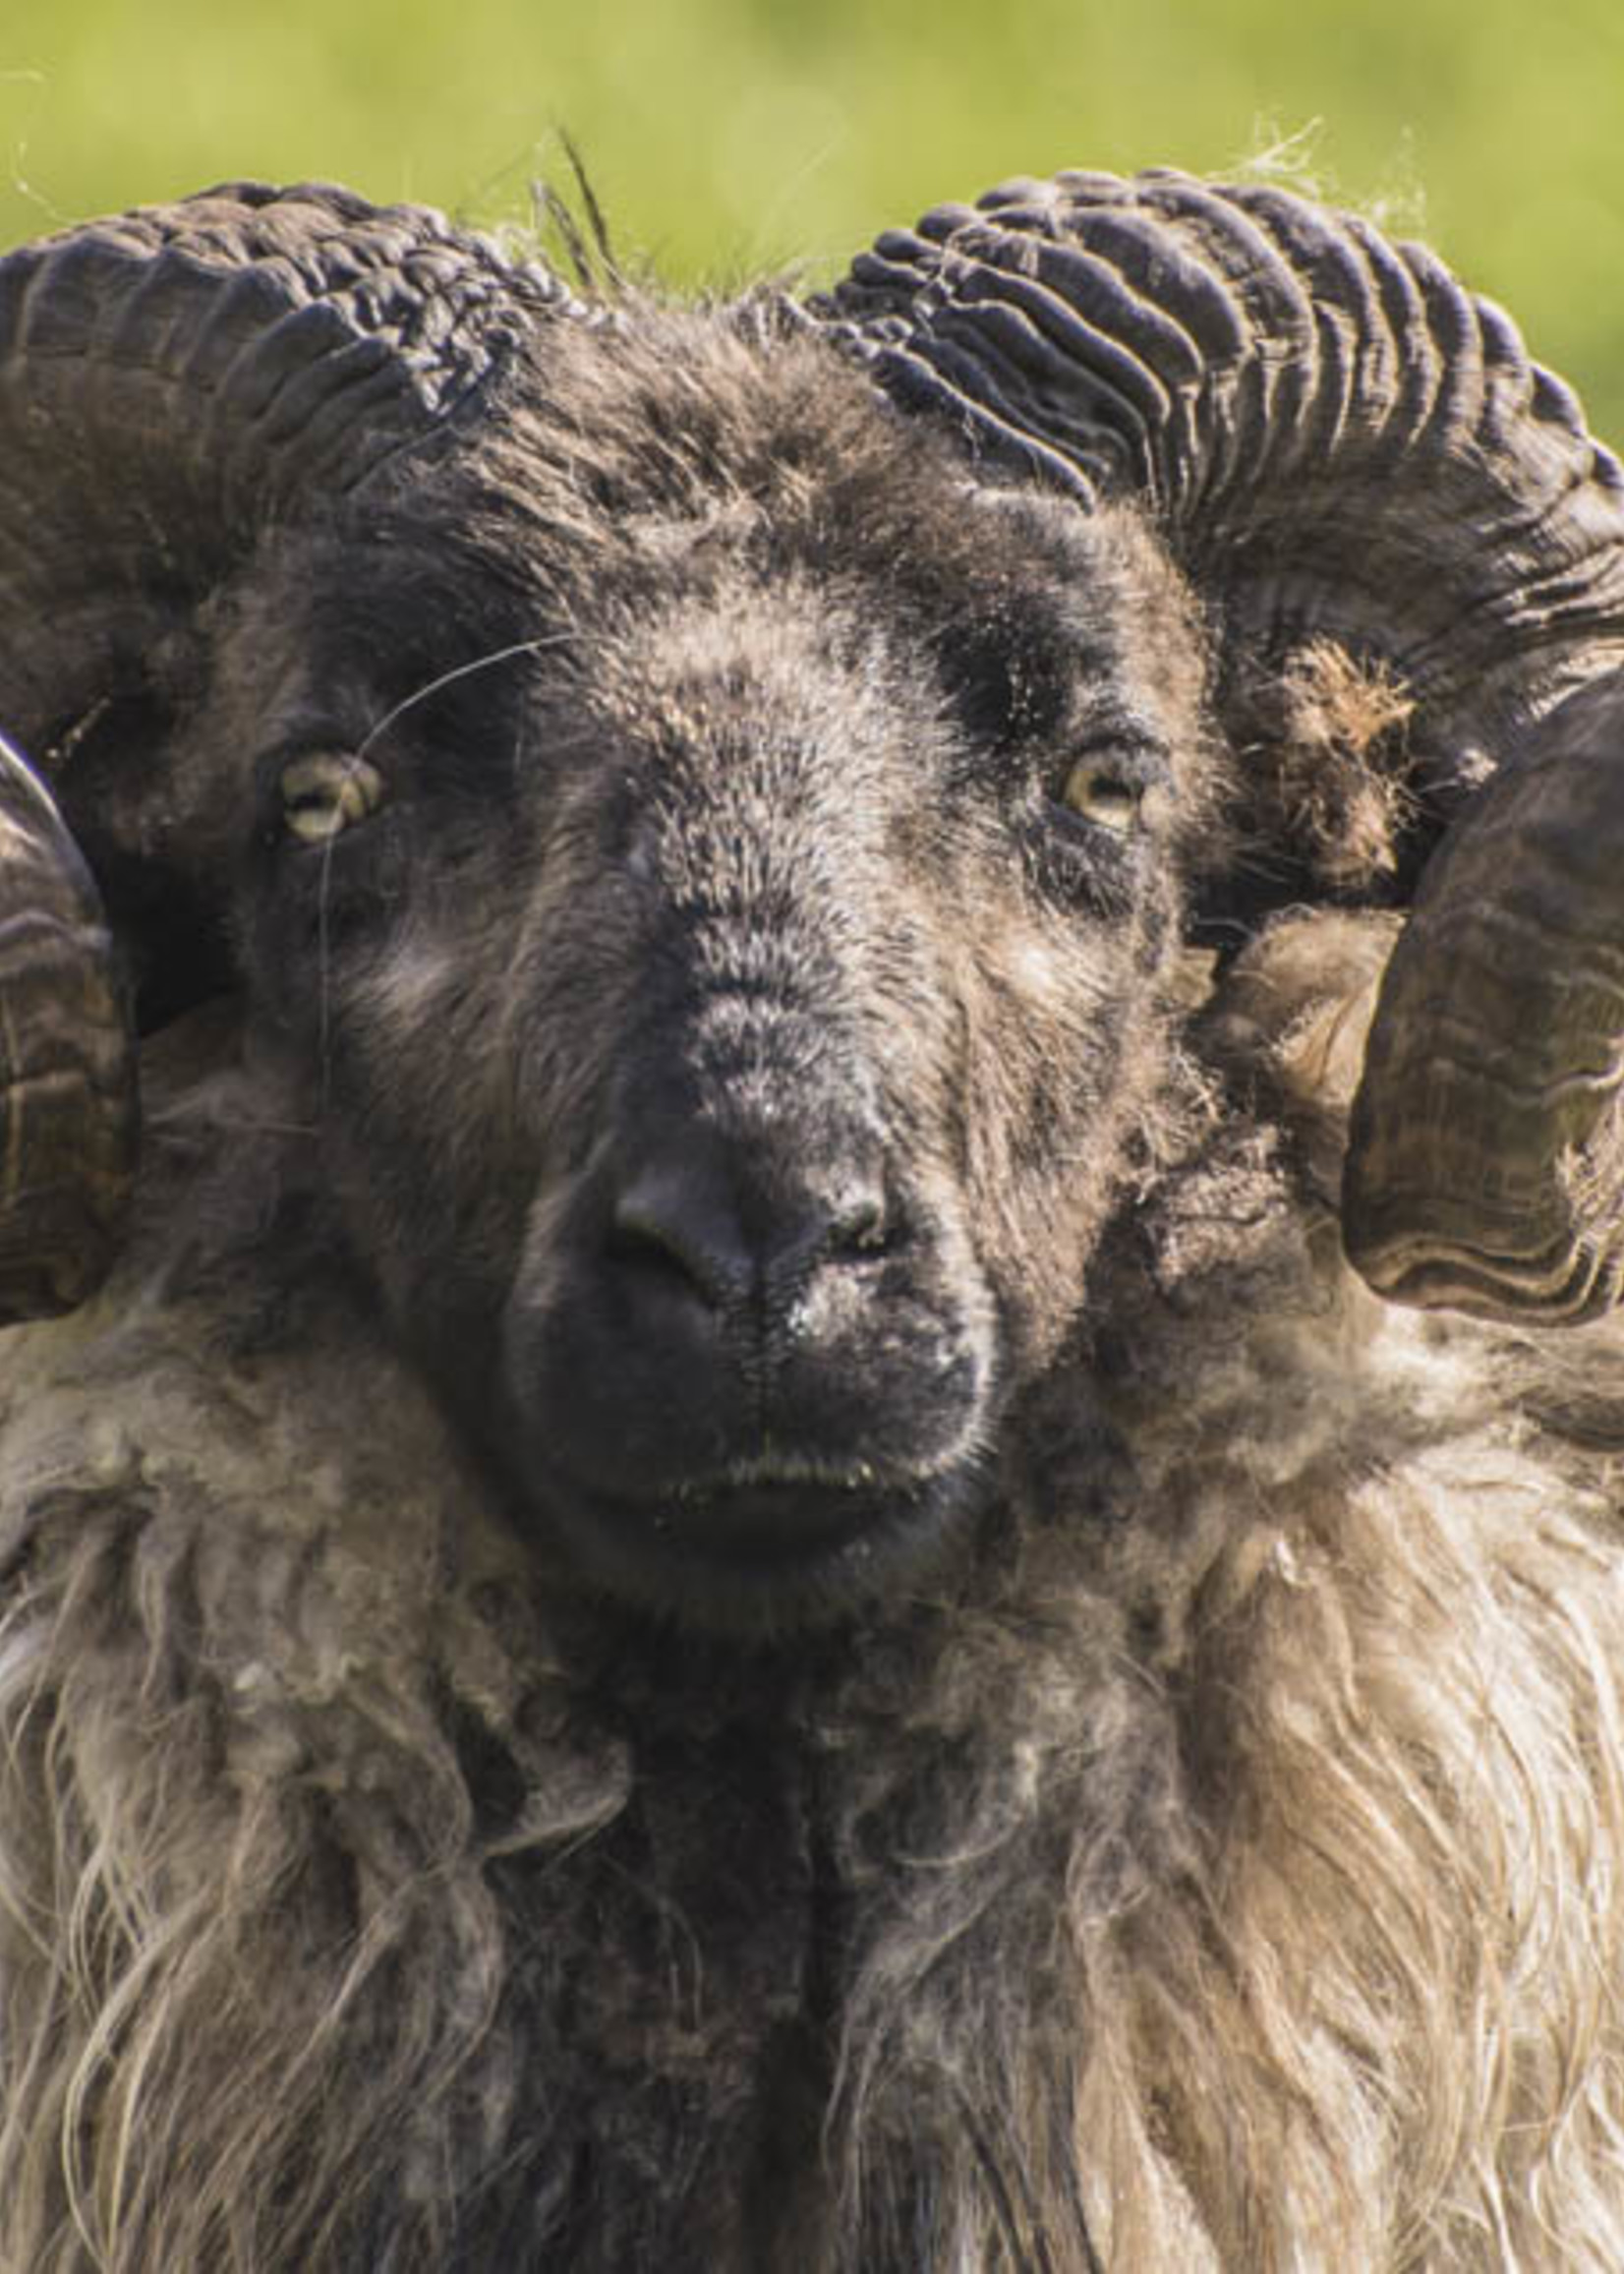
{"points": [[1219, 1869]]}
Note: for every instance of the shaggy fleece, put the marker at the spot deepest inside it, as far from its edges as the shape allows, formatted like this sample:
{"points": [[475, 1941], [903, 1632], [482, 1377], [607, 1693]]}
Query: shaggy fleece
{"points": [[1221, 1868]]}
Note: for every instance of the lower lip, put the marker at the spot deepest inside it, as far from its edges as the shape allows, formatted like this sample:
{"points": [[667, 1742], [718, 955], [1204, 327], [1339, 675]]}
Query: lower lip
{"points": [[765, 1525], [773, 1551]]}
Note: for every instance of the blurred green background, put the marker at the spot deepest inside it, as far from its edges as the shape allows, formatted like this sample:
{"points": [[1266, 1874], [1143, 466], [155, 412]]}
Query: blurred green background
{"points": [[733, 135]]}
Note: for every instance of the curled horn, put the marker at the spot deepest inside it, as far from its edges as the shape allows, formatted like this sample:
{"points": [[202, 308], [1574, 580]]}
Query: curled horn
{"points": [[172, 381], [1340, 441], [1488, 1163], [67, 1071]]}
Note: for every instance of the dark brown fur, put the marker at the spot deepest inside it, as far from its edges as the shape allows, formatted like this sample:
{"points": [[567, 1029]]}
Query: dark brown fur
{"points": [[1208, 1858]]}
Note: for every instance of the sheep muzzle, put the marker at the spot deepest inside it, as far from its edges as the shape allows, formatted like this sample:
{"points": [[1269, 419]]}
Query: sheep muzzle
{"points": [[749, 1374]]}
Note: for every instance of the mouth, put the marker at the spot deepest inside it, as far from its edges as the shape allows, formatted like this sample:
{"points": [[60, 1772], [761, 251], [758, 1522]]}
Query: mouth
{"points": [[766, 1546]]}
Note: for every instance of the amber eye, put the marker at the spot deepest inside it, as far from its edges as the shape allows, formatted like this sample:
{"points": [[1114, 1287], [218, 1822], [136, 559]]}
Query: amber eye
{"points": [[326, 791], [1103, 794]]}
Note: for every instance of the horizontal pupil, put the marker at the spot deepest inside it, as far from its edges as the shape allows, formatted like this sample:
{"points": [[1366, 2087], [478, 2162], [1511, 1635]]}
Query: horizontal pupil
{"points": [[1088, 791], [322, 795]]}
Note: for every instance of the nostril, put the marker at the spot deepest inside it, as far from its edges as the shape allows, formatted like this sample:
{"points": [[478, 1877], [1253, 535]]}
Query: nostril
{"points": [[667, 1222], [860, 1224], [730, 1226]]}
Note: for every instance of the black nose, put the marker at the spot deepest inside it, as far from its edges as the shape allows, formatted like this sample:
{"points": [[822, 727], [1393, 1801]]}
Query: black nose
{"points": [[739, 1226], [741, 1341]]}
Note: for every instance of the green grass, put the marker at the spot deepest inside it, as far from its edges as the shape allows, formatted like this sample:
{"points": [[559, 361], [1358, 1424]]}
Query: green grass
{"points": [[728, 136]]}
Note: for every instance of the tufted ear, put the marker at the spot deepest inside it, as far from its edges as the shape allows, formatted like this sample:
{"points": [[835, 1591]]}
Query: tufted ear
{"points": [[1343, 445], [172, 381]]}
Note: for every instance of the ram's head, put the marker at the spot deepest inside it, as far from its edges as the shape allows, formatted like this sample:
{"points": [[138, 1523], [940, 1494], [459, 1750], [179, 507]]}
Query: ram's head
{"points": [[705, 811]]}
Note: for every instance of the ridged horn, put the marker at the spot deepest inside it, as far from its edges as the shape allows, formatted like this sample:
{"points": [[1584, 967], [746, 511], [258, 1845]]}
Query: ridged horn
{"points": [[67, 1071], [172, 381], [1339, 441], [1486, 1171]]}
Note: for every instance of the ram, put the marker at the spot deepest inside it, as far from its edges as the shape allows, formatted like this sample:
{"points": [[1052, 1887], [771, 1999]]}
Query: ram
{"points": [[708, 1562]]}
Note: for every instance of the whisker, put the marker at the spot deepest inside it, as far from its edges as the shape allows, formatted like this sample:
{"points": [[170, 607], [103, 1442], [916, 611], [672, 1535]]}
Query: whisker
{"points": [[322, 960], [449, 678]]}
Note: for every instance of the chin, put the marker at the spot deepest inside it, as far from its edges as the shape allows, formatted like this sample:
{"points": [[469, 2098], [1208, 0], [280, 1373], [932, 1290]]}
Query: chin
{"points": [[763, 1551]]}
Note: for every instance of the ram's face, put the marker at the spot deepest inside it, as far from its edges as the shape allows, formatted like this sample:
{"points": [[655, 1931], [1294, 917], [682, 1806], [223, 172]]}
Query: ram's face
{"points": [[724, 947]]}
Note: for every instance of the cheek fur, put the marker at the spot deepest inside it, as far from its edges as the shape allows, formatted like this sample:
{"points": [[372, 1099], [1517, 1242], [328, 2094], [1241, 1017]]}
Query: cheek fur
{"points": [[1064, 1056]]}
